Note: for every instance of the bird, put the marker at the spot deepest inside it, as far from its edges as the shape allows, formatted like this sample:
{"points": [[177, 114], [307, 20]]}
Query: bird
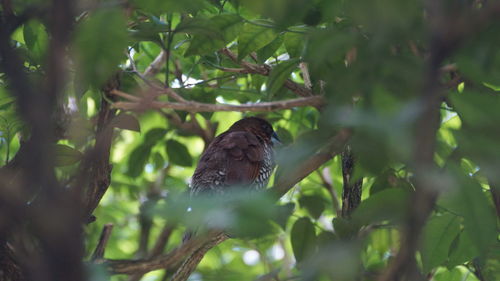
{"points": [[241, 156]]}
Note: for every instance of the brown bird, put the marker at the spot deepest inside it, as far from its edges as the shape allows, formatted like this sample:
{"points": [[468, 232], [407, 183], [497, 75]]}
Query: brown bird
{"points": [[241, 156]]}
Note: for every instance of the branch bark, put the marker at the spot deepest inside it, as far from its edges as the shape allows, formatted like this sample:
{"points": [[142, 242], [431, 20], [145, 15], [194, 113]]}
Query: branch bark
{"points": [[404, 266], [103, 241], [192, 106]]}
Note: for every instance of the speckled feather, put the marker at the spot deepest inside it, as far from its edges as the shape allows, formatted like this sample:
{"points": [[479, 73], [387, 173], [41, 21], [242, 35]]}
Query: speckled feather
{"points": [[241, 156]]}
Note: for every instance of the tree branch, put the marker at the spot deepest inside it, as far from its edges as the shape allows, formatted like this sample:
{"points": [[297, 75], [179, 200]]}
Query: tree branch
{"points": [[103, 241], [168, 261], [155, 67], [295, 174], [95, 170], [404, 266], [190, 264], [326, 179], [193, 106]]}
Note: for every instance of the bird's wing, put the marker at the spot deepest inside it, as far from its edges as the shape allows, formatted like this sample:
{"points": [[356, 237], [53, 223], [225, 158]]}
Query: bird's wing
{"points": [[242, 155]]}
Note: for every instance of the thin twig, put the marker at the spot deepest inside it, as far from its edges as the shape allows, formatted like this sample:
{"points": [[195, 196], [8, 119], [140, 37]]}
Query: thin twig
{"points": [[155, 67], [262, 69], [326, 178], [103, 241]]}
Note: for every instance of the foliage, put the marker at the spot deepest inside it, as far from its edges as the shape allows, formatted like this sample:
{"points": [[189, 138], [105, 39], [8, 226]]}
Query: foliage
{"points": [[370, 62]]}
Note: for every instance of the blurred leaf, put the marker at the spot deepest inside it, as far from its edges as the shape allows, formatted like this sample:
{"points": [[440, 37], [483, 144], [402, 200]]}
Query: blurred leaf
{"points": [[389, 204], [126, 122], [284, 135], [283, 213], [36, 39], [158, 161], [66, 155], [303, 238], [469, 201], [252, 38], [279, 74], [344, 228], [100, 44], [315, 204], [491, 263], [326, 238], [149, 31], [270, 49], [178, 154], [462, 251], [169, 6], [294, 43], [449, 275], [137, 160], [154, 136], [438, 234], [383, 181], [227, 26]]}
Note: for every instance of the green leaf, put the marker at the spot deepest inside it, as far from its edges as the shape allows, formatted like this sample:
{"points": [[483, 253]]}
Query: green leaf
{"points": [[284, 135], [229, 24], [326, 238], [66, 155], [345, 229], [225, 29], [137, 160], [315, 204], [385, 180], [154, 135], [438, 235], [294, 44], [101, 41], [126, 122], [283, 213], [252, 38], [200, 25], [168, 6], [270, 49], [470, 202], [178, 154], [279, 74], [303, 238], [389, 204], [462, 252], [36, 39], [148, 31]]}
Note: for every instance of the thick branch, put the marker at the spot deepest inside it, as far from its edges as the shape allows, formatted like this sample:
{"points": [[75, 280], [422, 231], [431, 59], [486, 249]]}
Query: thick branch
{"points": [[297, 173], [404, 266], [167, 261], [190, 264], [95, 173]]}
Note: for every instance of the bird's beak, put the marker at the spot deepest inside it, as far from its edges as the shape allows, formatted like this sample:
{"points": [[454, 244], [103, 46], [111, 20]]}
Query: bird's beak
{"points": [[275, 139]]}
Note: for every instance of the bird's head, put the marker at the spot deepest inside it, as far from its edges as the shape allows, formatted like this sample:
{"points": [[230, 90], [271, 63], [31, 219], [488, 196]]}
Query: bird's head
{"points": [[257, 126]]}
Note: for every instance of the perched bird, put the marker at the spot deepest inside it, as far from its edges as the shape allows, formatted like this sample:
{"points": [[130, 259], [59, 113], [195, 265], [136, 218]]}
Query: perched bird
{"points": [[241, 156]]}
